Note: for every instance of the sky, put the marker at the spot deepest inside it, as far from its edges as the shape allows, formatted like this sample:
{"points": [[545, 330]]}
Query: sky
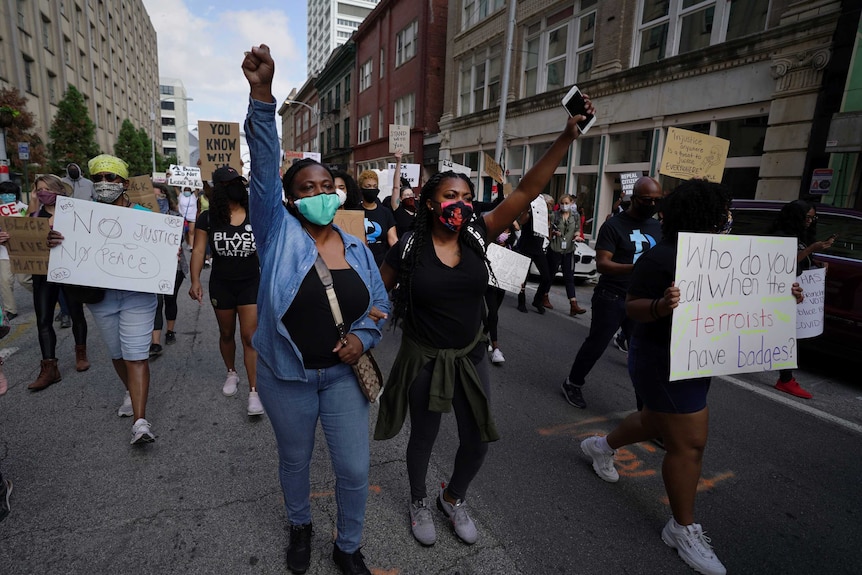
{"points": [[202, 43]]}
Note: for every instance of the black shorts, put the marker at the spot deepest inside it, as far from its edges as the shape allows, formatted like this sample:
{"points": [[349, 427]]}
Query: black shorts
{"points": [[234, 293], [649, 368]]}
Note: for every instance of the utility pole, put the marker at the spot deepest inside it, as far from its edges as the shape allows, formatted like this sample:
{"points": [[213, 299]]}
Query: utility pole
{"points": [[504, 94]]}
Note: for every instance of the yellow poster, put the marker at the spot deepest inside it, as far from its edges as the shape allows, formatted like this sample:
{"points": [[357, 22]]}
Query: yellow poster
{"points": [[689, 155]]}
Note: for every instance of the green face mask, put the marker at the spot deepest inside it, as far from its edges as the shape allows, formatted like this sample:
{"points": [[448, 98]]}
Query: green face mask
{"points": [[319, 209]]}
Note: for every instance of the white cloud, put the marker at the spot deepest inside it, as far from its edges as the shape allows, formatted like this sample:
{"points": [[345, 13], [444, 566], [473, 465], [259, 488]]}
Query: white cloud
{"points": [[205, 51]]}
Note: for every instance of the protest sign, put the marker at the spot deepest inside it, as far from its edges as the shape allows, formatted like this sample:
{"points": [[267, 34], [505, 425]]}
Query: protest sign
{"points": [[809, 313], [627, 181], [399, 138], [821, 181], [115, 247], [493, 169], [510, 268], [736, 313], [539, 210], [446, 165], [160, 178], [351, 222], [690, 155], [219, 146], [141, 192], [408, 171], [27, 245], [185, 177], [13, 209]]}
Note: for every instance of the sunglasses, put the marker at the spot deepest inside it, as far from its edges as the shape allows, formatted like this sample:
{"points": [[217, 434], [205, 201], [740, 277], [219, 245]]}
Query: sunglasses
{"points": [[105, 177]]}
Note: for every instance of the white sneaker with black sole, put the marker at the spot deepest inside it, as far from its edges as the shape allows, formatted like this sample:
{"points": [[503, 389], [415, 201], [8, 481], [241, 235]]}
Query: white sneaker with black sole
{"points": [[693, 547], [141, 432]]}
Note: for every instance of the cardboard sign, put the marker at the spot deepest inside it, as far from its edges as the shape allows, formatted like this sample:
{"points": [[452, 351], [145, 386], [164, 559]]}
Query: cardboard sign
{"points": [[627, 181], [510, 268], [141, 192], [821, 181], [28, 244], [408, 171], [493, 169], [446, 165], [809, 313], [185, 177], [219, 146], [351, 222], [113, 247], [690, 155], [539, 210], [399, 138], [736, 313]]}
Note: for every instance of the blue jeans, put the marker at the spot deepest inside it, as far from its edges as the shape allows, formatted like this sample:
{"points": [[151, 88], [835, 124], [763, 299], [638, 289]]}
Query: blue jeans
{"points": [[609, 315], [293, 407]]}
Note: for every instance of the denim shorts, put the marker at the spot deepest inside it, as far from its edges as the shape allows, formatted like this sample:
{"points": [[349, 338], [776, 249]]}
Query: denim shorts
{"points": [[125, 319], [649, 368]]}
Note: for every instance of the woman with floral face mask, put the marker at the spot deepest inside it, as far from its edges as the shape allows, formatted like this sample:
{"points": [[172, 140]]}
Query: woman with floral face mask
{"points": [[46, 295], [440, 269], [124, 317]]}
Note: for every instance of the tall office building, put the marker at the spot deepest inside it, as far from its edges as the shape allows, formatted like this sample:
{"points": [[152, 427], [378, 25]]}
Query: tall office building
{"points": [[174, 119], [330, 24]]}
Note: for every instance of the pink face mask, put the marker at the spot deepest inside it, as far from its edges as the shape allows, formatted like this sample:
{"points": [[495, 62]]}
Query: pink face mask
{"points": [[455, 213], [46, 198]]}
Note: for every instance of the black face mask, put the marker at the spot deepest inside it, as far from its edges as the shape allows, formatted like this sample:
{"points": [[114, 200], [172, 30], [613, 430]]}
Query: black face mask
{"points": [[644, 210], [235, 191], [370, 194], [74, 173]]}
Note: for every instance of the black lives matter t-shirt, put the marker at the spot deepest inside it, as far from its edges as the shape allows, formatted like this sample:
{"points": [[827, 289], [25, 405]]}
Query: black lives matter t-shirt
{"points": [[233, 248], [627, 238]]}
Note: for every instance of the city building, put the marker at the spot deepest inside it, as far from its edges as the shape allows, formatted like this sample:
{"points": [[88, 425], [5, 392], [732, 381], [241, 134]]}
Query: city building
{"points": [[334, 84], [174, 119], [767, 75], [107, 49], [300, 119], [330, 24]]}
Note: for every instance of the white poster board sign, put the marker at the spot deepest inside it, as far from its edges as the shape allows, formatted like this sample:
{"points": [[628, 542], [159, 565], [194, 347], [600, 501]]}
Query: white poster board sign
{"points": [[446, 165], [114, 247], [399, 139], [185, 177], [408, 171], [736, 313], [510, 268], [160, 178], [809, 313], [539, 209]]}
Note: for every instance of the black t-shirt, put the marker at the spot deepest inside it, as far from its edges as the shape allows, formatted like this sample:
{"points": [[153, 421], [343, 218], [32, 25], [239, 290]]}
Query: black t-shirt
{"points": [[309, 318], [447, 303], [653, 273], [530, 243], [403, 221], [628, 239], [377, 224], [233, 247]]}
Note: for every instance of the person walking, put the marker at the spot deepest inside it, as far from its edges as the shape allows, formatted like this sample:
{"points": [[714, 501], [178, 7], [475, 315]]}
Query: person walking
{"points": [[188, 204], [532, 245], [166, 308], [622, 240], [10, 194], [441, 366], [235, 277], [565, 228], [380, 232], [305, 375]]}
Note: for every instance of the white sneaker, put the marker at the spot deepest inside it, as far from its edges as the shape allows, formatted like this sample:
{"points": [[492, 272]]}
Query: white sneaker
{"points": [[230, 383], [693, 547], [126, 409], [497, 356], [141, 432], [254, 405], [603, 463]]}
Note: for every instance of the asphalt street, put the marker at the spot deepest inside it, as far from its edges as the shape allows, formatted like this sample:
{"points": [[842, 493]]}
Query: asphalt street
{"points": [[780, 490]]}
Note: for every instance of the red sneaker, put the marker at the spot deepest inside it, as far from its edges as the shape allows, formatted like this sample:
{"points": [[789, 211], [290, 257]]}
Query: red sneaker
{"points": [[792, 387]]}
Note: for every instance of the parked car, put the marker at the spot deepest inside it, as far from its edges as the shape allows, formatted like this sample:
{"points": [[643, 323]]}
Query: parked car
{"points": [[585, 264], [842, 331]]}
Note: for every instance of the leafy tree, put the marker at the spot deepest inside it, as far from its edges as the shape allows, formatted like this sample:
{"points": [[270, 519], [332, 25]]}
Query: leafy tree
{"points": [[21, 130], [164, 162], [72, 137], [133, 149]]}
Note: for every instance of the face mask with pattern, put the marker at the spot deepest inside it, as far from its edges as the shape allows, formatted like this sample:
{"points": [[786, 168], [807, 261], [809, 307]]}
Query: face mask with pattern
{"points": [[455, 213]]}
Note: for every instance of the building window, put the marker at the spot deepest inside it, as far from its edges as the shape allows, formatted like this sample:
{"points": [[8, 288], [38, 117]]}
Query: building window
{"points": [[551, 43], [347, 86], [347, 133], [480, 80], [67, 51], [22, 14], [166, 90], [2, 59], [168, 121], [365, 76], [336, 135], [671, 27], [46, 34], [630, 147], [28, 73], [169, 136], [382, 62], [475, 11], [380, 125], [167, 105], [405, 110], [83, 61], [338, 96], [406, 43], [363, 130], [746, 135]]}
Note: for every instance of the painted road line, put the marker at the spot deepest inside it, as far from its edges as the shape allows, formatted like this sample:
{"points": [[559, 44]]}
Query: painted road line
{"points": [[779, 397]]}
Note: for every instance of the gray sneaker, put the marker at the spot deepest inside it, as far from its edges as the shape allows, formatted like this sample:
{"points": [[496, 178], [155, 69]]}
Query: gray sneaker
{"points": [[126, 410], [464, 527], [603, 463], [422, 523]]}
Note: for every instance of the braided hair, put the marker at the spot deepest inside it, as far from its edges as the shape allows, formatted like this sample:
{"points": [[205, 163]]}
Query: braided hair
{"points": [[403, 295]]}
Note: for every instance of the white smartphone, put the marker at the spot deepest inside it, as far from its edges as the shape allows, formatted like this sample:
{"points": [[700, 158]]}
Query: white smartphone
{"points": [[575, 105]]}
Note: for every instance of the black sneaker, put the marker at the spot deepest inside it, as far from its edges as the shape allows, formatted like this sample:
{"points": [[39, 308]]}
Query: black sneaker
{"points": [[155, 349], [573, 394], [299, 548], [349, 563], [65, 321], [5, 492], [621, 343], [170, 338]]}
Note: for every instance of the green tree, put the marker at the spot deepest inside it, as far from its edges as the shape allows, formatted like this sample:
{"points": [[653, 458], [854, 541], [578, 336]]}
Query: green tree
{"points": [[72, 137], [21, 131], [131, 148]]}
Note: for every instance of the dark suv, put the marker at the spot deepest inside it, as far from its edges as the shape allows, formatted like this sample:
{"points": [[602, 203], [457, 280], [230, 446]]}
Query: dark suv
{"points": [[842, 331]]}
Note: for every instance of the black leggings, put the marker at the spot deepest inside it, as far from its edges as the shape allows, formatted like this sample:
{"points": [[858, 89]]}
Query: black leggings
{"points": [[493, 300], [168, 303], [45, 295], [424, 425]]}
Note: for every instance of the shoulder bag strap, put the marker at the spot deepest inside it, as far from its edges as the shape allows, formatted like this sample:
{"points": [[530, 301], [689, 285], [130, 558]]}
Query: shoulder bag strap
{"points": [[326, 280]]}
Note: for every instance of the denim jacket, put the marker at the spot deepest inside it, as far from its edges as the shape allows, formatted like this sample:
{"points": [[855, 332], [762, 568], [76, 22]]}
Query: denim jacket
{"points": [[287, 254]]}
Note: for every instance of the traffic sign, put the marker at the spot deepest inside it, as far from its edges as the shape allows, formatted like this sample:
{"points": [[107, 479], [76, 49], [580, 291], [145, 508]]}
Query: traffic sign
{"points": [[23, 151]]}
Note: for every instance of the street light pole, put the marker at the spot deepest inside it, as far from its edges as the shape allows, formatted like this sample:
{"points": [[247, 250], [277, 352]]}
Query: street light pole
{"points": [[288, 101]]}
